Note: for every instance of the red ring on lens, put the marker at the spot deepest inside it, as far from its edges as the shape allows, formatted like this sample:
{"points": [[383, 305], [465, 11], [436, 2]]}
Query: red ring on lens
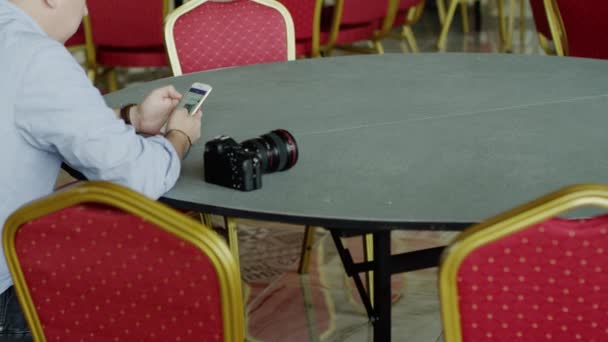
{"points": [[294, 155]]}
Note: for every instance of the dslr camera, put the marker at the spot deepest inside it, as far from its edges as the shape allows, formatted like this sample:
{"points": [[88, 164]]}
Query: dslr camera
{"points": [[240, 166]]}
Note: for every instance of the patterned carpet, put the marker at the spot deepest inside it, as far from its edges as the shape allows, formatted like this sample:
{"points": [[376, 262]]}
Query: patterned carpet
{"points": [[324, 304]]}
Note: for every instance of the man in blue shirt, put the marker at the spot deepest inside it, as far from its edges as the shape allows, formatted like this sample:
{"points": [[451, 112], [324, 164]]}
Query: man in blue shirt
{"points": [[51, 113]]}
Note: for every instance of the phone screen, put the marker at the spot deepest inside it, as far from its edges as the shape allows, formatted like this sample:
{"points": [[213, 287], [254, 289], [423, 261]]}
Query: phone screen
{"points": [[192, 98]]}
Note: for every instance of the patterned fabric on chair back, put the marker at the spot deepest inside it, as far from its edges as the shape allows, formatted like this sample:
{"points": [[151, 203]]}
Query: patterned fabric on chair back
{"points": [[546, 282], [127, 24], [222, 34], [540, 18], [529, 275], [93, 272], [586, 26]]}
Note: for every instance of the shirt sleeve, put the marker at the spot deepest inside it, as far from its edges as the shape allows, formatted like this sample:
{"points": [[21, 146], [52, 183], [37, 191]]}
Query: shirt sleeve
{"points": [[60, 111]]}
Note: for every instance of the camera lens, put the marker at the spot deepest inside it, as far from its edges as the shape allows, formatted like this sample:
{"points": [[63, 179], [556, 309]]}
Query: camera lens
{"points": [[276, 150]]}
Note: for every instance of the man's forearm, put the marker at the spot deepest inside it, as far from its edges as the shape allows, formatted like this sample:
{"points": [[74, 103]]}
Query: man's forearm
{"points": [[180, 142]]}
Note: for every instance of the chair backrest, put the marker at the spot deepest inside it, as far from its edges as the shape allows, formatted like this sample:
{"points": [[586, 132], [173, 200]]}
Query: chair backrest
{"points": [[528, 275], [98, 262], [581, 25], [540, 18], [203, 34], [127, 24], [306, 16]]}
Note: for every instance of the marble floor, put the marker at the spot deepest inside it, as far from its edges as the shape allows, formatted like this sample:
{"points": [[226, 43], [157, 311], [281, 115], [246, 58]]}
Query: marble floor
{"points": [[323, 305]]}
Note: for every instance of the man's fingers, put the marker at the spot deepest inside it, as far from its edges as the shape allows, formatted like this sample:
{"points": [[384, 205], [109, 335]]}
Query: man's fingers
{"points": [[171, 92]]}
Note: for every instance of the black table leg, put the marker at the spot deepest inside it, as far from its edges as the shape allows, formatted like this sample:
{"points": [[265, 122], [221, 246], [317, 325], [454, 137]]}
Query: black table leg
{"points": [[382, 286]]}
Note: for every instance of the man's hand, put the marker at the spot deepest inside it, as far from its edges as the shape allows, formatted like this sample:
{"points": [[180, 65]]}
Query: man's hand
{"points": [[183, 130], [150, 116]]}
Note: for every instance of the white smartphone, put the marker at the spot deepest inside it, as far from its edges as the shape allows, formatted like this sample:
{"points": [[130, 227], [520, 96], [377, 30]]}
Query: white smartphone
{"points": [[195, 96]]}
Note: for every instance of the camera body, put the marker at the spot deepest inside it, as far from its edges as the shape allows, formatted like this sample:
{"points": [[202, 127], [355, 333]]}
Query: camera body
{"points": [[228, 164], [240, 166]]}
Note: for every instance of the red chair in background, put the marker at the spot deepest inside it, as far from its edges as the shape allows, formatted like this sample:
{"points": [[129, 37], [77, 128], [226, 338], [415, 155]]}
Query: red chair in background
{"points": [[125, 34], [306, 15], [527, 275], [99, 262], [203, 34], [578, 27], [539, 14]]}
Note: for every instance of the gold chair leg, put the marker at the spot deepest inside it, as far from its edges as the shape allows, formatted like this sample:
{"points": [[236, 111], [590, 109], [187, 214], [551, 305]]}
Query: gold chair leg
{"points": [[368, 254], [441, 11], [233, 239], [91, 74], [411, 39], [510, 27], [307, 242], [206, 219], [378, 47], [522, 24], [446, 25], [544, 43], [502, 25], [464, 12], [112, 80]]}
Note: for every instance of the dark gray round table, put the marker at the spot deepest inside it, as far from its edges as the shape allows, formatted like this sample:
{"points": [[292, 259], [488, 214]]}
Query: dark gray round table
{"points": [[428, 141]]}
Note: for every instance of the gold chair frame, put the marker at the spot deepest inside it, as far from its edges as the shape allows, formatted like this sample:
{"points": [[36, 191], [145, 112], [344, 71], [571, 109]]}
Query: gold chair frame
{"points": [[163, 217], [558, 30], [500, 226]]}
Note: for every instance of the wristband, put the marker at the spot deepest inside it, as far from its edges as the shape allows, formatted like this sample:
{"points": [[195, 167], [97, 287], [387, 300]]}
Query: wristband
{"points": [[125, 113], [184, 133]]}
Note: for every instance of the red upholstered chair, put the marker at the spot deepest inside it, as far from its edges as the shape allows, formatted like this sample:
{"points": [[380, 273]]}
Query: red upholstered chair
{"points": [[578, 27], [204, 34], [528, 275], [126, 34], [542, 25], [98, 262], [306, 15]]}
